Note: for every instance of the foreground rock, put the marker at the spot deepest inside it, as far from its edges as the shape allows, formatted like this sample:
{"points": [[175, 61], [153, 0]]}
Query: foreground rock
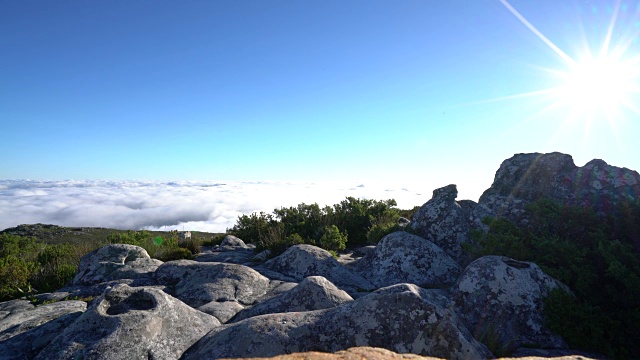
{"points": [[448, 223], [131, 323], [198, 283], [301, 261], [500, 295], [403, 318], [313, 293], [24, 332], [401, 257], [113, 262], [525, 178], [372, 353]]}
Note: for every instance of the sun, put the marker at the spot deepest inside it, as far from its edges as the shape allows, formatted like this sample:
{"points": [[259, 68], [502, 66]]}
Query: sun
{"points": [[594, 85], [597, 86]]}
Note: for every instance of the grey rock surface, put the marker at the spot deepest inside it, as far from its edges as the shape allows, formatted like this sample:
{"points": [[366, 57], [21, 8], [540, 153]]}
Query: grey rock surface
{"points": [[448, 223], [524, 178], [9, 307], [301, 261], [505, 296], [312, 293], [402, 318], [115, 261], [222, 310], [24, 333], [131, 323], [198, 283], [233, 241], [401, 257]]}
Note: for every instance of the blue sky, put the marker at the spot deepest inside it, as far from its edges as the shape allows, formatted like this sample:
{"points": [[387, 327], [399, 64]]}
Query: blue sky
{"points": [[399, 91]]}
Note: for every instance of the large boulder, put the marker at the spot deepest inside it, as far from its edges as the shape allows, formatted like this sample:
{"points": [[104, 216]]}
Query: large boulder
{"points": [[23, 333], [301, 261], [524, 178], [505, 297], [448, 223], [113, 262], [198, 283], [313, 293], [131, 323], [233, 242], [402, 318], [401, 257]]}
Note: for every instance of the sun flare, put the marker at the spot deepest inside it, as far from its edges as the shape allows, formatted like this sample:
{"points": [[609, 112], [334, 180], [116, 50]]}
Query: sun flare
{"points": [[597, 86]]}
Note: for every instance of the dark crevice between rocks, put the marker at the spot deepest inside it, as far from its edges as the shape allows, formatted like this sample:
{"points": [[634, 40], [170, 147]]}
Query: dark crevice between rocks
{"points": [[516, 264]]}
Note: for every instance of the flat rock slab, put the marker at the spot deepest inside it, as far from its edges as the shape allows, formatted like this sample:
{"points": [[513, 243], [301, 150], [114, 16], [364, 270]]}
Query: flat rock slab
{"points": [[24, 333], [198, 283], [131, 323]]}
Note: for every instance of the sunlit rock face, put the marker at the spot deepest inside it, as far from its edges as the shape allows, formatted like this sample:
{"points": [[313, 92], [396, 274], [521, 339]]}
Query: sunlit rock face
{"points": [[501, 296], [131, 323], [401, 257], [448, 223], [301, 261], [403, 318], [524, 178], [113, 262]]}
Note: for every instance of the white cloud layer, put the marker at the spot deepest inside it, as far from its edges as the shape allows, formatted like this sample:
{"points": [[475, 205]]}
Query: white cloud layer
{"points": [[189, 205]]}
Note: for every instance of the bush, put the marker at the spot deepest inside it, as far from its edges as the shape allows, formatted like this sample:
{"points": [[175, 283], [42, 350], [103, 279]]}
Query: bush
{"points": [[594, 255], [192, 245], [175, 254], [333, 239]]}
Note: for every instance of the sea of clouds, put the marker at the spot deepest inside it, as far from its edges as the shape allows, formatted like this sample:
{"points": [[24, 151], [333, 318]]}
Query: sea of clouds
{"points": [[183, 205]]}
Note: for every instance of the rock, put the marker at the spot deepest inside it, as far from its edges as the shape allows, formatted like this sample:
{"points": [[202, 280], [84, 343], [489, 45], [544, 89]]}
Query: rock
{"points": [[24, 333], [504, 296], [222, 310], [131, 323], [363, 352], [231, 255], [14, 306], [313, 293], [448, 223], [115, 261], [263, 256], [401, 257], [95, 290], [402, 318], [198, 283], [301, 261], [525, 178], [232, 241]]}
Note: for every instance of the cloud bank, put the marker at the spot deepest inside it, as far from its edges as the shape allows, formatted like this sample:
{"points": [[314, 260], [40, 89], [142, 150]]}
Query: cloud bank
{"points": [[189, 205]]}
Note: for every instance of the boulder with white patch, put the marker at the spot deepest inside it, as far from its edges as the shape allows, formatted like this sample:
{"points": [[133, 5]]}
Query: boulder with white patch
{"points": [[496, 294], [113, 262]]}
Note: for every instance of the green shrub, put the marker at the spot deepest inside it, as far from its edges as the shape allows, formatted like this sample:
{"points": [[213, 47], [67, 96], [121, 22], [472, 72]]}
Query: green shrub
{"points": [[333, 239], [594, 255], [176, 253], [192, 245]]}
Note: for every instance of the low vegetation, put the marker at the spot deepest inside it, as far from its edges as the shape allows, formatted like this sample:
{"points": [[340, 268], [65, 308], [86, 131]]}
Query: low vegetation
{"points": [[352, 222], [596, 256]]}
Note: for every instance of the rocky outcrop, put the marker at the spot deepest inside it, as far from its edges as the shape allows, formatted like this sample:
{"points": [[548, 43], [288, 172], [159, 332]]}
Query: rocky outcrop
{"points": [[524, 178], [131, 323], [503, 296], [115, 261], [198, 283], [447, 222], [401, 257], [363, 352], [313, 293], [27, 330], [233, 242], [402, 318], [301, 261]]}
